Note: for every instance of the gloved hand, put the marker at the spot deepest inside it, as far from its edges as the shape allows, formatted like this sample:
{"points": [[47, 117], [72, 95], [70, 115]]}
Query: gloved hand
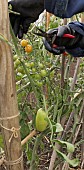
{"points": [[62, 42], [29, 11], [53, 48]]}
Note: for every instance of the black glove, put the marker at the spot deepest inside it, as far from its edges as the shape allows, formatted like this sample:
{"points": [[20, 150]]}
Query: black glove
{"points": [[62, 43], [29, 11], [69, 43], [53, 48]]}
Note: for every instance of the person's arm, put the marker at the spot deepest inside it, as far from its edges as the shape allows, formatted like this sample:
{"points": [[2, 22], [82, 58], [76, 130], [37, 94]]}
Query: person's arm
{"points": [[79, 50], [29, 11], [64, 8]]}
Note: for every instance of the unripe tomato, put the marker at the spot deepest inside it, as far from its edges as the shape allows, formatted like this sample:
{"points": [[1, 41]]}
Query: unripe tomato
{"points": [[37, 77], [15, 66], [43, 73], [28, 48], [20, 70], [28, 65], [39, 83], [40, 65], [19, 77], [33, 70], [24, 43], [32, 64], [16, 63], [15, 57], [41, 120]]}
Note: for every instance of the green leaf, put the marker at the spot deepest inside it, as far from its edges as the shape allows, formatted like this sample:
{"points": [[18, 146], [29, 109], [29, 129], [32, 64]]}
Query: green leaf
{"points": [[59, 128], [73, 162], [79, 143], [70, 147]]}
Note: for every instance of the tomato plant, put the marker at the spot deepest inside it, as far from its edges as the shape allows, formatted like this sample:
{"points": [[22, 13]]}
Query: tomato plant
{"points": [[44, 81]]}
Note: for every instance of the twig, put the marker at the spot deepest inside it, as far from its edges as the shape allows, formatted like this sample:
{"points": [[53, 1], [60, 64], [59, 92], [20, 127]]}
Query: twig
{"points": [[66, 74], [82, 146], [68, 124], [75, 74], [54, 154], [62, 72], [47, 20], [66, 165], [33, 133], [24, 87], [1, 161], [82, 165]]}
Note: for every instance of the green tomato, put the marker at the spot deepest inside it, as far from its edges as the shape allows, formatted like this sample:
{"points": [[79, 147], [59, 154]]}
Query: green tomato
{"points": [[20, 70], [32, 64], [37, 77], [17, 62], [15, 66], [19, 77], [15, 57], [40, 65], [43, 73], [41, 120], [28, 65], [39, 84], [33, 70]]}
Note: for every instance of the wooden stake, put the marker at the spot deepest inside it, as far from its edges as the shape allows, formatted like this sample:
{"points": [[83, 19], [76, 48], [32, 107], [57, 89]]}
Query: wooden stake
{"points": [[47, 20], [33, 133], [9, 117], [82, 146]]}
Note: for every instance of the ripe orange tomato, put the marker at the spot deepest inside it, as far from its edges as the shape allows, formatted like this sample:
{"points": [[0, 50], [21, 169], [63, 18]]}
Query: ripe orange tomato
{"points": [[28, 48], [24, 43]]}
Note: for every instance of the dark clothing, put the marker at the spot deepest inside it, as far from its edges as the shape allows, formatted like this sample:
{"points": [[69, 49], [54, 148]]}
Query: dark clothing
{"points": [[64, 8], [79, 27]]}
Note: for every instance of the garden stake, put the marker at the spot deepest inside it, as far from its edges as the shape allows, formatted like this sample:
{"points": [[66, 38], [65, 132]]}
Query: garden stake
{"points": [[75, 74], [33, 133], [9, 116], [54, 154], [47, 20], [82, 146], [77, 131]]}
